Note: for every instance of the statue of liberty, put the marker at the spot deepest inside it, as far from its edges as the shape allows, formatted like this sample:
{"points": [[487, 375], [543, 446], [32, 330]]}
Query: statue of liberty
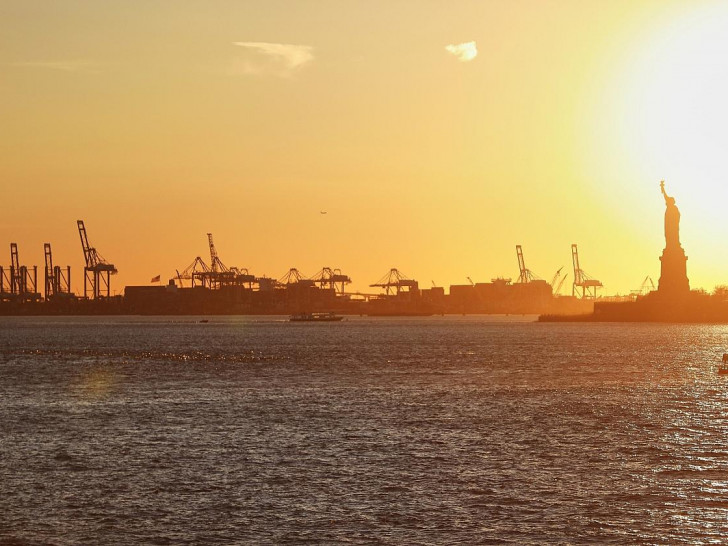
{"points": [[672, 220], [673, 279]]}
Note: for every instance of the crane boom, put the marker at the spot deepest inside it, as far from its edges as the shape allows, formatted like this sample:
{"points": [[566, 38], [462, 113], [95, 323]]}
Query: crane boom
{"points": [[213, 253], [561, 283], [525, 275], [522, 271], [216, 265], [88, 252], [14, 260], [50, 284], [97, 273], [396, 282], [556, 276], [575, 261], [16, 278], [587, 284]]}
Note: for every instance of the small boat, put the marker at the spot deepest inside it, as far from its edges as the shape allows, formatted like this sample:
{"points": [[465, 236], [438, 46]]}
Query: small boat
{"points": [[723, 368], [315, 317]]}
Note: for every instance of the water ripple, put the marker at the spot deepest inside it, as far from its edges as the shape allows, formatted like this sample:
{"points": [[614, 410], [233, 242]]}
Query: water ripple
{"points": [[457, 431]]}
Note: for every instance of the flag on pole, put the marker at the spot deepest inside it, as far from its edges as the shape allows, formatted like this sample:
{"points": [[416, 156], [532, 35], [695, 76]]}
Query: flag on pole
{"points": [[157, 278]]}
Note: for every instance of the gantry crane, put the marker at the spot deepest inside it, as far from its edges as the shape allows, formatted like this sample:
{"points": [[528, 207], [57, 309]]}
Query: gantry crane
{"points": [[525, 275], [647, 286], [214, 276], [220, 275], [556, 277], [557, 280], [557, 290], [16, 278], [583, 281], [331, 279], [57, 280], [293, 276], [49, 277], [97, 272], [192, 272], [23, 281], [4, 284], [7, 281], [395, 283], [216, 266]]}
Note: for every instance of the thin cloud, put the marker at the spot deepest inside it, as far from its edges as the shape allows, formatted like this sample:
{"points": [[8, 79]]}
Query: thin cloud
{"points": [[282, 60], [67, 65], [467, 51]]}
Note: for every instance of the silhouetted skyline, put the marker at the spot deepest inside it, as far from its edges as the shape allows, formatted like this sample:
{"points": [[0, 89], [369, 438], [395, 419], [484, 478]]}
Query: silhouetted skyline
{"points": [[435, 137]]}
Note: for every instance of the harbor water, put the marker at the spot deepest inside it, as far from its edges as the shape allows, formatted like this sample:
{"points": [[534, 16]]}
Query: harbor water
{"points": [[430, 430]]}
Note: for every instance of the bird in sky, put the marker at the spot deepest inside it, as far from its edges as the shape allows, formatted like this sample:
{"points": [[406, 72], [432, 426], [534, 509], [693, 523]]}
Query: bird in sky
{"points": [[323, 212]]}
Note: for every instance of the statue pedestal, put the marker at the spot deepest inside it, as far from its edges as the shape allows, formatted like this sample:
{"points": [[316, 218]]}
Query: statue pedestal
{"points": [[674, 275]]}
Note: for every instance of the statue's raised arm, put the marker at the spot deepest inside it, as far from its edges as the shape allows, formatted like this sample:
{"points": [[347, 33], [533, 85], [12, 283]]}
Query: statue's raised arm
{"points": [[664, 193]]}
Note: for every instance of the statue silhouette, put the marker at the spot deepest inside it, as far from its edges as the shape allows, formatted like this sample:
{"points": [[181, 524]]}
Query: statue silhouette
{"points": [[672, 220], [674, 280]]}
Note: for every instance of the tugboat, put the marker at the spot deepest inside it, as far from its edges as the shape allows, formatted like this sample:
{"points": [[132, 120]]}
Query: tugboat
{"points": [[315, 317]]}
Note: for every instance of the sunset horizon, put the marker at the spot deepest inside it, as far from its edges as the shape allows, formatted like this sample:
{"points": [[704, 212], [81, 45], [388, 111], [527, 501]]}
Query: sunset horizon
{"points": [[293, 272], [436, 142]]}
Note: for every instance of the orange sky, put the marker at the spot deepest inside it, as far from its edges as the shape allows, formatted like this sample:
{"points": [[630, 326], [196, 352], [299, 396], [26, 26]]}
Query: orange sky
{"points": [[157, 122]]}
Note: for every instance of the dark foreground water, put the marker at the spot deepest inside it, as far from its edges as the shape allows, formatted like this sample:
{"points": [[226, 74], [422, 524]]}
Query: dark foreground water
{"points": [[390, 431]]}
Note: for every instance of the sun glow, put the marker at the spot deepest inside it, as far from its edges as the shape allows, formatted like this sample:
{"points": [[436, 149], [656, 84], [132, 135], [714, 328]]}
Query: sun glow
{"points": [[678, 105], [664, 115]]}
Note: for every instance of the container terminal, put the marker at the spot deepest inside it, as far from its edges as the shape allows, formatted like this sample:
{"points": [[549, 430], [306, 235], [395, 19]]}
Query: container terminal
{"points": [[207, 288]]}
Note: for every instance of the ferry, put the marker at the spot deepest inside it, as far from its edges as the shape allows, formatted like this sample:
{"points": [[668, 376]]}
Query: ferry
{"points": [[315, 317]]}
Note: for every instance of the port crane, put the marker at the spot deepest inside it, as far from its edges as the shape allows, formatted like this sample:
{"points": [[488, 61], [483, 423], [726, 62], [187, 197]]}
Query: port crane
{"points": [[192, 272], [16, 279], [97, 272], [297, 293], [557, 281], [50, 283], [646, 287], [395, 283], [213, 276], [4, 283], [216, 266], [587, 284], [23, 280], [221, 275], [525, 275], [557, 291], [293, 276], [556, 277], [57, 279], [331, 279], [218, 273]]}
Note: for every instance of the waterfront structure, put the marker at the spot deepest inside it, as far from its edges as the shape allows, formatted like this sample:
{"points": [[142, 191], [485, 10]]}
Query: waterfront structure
{"points": [[673, 278], [97, 272], [673, 301]]}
